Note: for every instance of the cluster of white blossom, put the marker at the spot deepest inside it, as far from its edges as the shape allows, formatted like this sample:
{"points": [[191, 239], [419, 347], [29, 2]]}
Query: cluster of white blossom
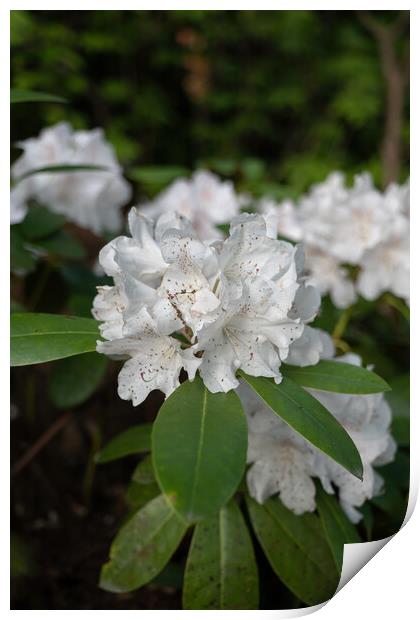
{"points": [[284, 463], [204, 199], [358, 226], [178, 302], [91, 199]]}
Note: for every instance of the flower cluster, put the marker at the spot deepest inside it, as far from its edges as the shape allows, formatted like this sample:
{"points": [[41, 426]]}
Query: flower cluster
{"points": [[204, 199], [178, 302], [284, 463], [358, 226], [91, 199]]}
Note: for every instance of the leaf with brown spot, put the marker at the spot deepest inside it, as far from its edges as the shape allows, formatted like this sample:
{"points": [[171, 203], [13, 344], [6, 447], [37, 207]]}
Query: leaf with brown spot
{"points": [[143, 547]]}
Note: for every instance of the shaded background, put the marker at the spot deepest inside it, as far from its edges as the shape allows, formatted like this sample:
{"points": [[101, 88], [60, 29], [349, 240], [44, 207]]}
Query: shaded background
{"points": [[274, 100], [283, 95]]}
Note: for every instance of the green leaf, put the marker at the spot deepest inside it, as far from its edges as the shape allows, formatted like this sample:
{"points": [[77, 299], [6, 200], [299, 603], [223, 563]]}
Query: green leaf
{"points": [[392, 501], [366, 511], [399, 397], [221, 572], [144, 472], [38, 338], [80, 304], [22, 259], [39, 223], [30, 96], [143, 547], [336, 377], [199, 445], [143, 486], [307, 416], [399, 401], [296, 549], [75, 379], [156, 177], [138, 495], [59, 168], [337, 527], [81, 279], [132, 441], [397, 473], [63, 245], [400, 430]]}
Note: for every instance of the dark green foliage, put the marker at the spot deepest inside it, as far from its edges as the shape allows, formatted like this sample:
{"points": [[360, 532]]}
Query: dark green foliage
{"points": [[169, 87]]}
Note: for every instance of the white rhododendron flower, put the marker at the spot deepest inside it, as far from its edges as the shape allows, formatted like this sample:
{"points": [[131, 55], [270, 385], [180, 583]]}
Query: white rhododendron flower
{"points": [[327, 274], [285, 215], [204, 199], [237, 304], [284, 463], [343, 226], [386, 266], [91, 199]]}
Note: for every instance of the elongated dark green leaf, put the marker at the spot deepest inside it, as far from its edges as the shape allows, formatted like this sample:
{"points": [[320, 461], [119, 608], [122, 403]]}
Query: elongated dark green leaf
{"points": [[38, 338], [296, 549], [142, 547], [199, 444], [30, 96], [221, 572], [40, 222], [59, 168], [308, 417], [132, 441], [337, 527], [75, 379], [336, 377]]}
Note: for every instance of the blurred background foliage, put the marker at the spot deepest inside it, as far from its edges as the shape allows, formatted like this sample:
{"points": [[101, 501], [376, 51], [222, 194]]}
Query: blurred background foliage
{"points": [[275, 99]]}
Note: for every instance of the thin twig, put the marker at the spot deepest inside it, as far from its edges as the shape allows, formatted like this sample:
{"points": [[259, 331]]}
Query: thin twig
{"points": [[41, 442]]}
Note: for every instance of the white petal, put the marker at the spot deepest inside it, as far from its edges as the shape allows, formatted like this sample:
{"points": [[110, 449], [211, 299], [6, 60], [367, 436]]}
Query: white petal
{"points": [[219, 364], [306, 350]]}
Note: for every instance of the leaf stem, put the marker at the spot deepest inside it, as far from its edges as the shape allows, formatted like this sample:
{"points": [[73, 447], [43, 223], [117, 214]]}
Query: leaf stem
{"points": [[342, 323]]}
